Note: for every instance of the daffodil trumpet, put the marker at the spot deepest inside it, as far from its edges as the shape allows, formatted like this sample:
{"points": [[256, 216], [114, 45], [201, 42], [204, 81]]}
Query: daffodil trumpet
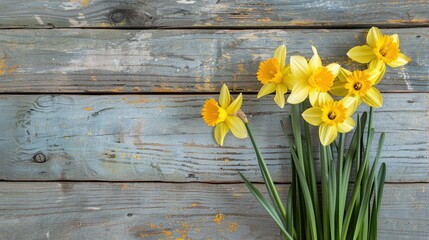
{"points": [[275, 76], [311, 79], [223, 115], [359, 84], [378, 51]]}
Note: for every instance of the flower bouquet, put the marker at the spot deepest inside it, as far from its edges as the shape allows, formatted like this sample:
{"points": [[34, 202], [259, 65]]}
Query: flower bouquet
{"points": [[345, 203]]}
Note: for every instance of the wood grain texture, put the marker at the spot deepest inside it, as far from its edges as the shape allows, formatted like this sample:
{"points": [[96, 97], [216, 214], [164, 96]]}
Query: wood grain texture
{"points": [[70, 210], [74, 61], [163, 138], [210, 13]]}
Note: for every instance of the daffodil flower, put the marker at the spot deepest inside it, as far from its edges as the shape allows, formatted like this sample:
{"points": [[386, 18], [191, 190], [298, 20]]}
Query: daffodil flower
{"points": [[332, 117], [223, 115], [275, 75], [359, 84], [311, 79], [379, 50]]}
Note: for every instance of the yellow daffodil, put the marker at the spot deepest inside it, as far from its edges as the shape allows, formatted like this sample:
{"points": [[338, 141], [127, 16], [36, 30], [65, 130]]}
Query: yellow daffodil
{"points": [[275, 75], [223, 115], [359, 84], [311, 79], [332, 117], [379, 50]]}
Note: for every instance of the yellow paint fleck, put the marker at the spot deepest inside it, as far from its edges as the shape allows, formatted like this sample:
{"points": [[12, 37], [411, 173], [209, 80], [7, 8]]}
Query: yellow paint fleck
{"points": [[265, 19], [151, 225], [184, 225], [117, 89], [88, 109], [218, 218], [140, 99], [167, 233], [226, 160], [182, 233], [233, 227], [93, 78], [194, 204], [241, 68], [84, 3]]}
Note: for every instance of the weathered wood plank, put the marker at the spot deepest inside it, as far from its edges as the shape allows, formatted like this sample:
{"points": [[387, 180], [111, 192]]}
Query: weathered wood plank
{"points": [[70, 210], [180, 60], [210, 13], [163, 138]]}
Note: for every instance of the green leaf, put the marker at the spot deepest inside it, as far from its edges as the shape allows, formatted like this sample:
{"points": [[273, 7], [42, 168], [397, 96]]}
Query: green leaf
{"points": [[268, 207], [272, 191]]}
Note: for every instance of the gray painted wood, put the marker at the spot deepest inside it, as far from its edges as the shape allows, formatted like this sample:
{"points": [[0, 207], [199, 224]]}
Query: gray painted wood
{"points": [[181, 60], [163, 138], [210, 13], [68, 210]]}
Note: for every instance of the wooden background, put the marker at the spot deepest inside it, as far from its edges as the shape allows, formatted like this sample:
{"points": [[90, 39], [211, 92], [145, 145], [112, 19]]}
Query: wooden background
{"points": [[101, 135]]}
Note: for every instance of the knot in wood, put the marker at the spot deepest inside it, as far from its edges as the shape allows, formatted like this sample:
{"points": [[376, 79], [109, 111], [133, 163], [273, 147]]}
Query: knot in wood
{"points": [[117, 16], [40, 158]]}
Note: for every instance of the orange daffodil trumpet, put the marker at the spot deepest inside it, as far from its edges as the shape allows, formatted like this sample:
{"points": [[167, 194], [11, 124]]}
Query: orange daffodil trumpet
{"points": [[379, 50], [223, 115], [359, 84], [332, 117], [275, 75], [311, 79]]}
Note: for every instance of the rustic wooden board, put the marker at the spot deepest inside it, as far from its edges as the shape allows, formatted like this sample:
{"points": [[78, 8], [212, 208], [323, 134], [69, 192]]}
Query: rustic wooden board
{"points": [[163, 138], [69, 210], [210, 13], [180, 60]]}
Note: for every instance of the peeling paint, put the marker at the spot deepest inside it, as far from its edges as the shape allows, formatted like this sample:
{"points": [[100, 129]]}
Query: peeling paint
{"points": [[3, 69], [185, 2], [39, 20]]}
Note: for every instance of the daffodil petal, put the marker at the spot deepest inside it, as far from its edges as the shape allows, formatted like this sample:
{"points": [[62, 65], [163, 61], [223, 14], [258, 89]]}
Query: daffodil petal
{"points": [[315, 61], [373, 98], [280, 95], [361, 54], [327, 134], [395, 38], [280, 54], [312, 96], [220, 132], [224, 96], [323, 98], [346, 126], [237, 126], [373, 35], [334, 68], [380, 65], [351, 104], [343, 74], [338, 89], [400, 61], [373, 74], [287, 79], [299, 93], [266, 89], [313, 116], [299, 67], [235, 105]]}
